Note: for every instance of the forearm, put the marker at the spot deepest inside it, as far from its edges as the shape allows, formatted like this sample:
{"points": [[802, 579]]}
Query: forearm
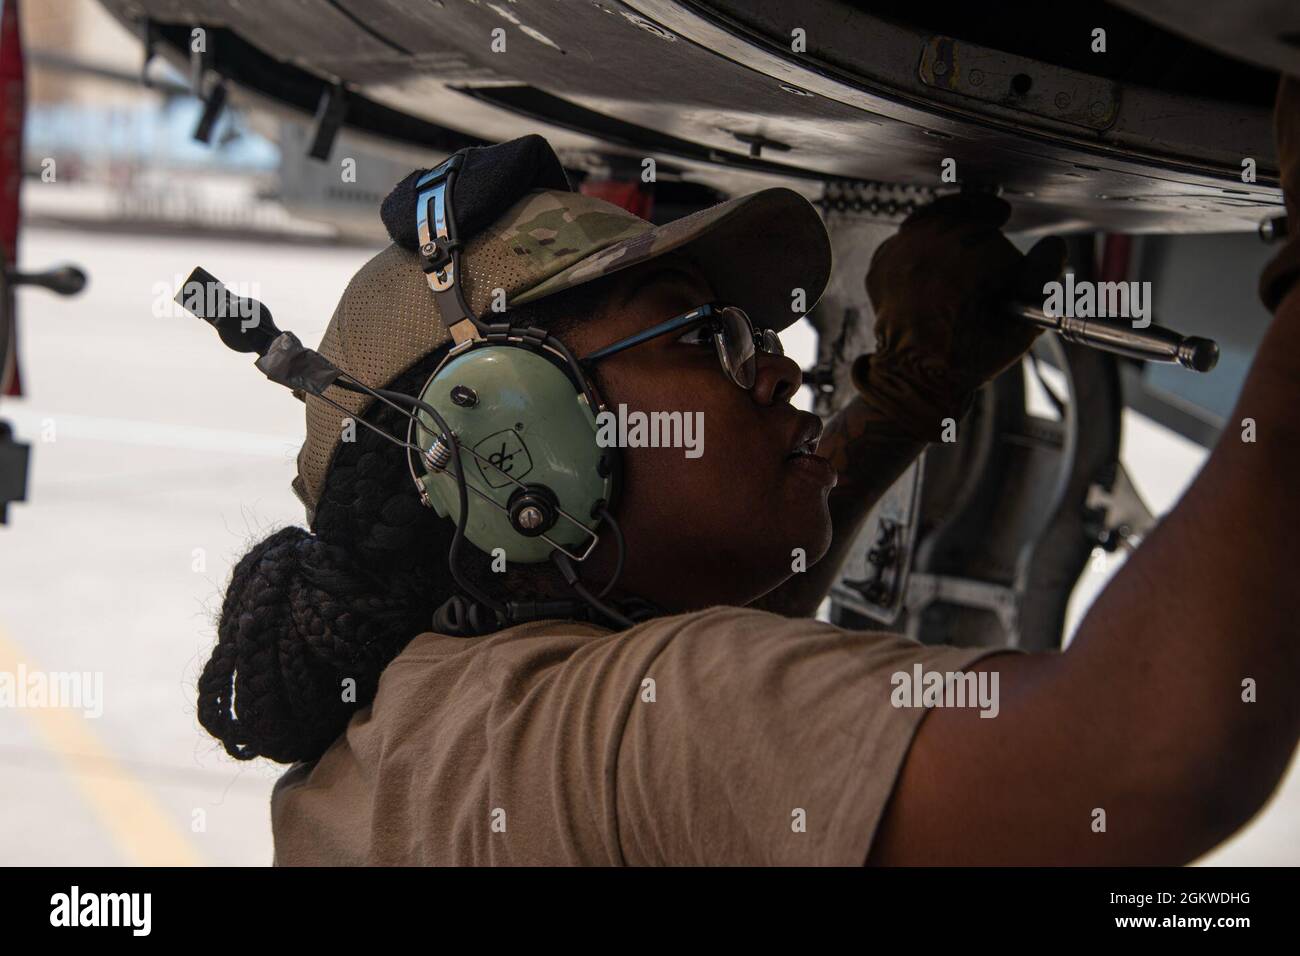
{"points": [[1145, 717], [1170, 718], [1211, 599], [1178, 701], [869, 455], [930, 286]]}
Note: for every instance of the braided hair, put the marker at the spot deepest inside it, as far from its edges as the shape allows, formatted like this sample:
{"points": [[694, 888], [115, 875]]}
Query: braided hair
{"points": [[309, 621]]}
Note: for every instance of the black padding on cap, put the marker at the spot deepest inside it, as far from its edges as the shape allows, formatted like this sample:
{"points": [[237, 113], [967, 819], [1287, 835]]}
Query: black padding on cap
{"points": [[490, 181]]}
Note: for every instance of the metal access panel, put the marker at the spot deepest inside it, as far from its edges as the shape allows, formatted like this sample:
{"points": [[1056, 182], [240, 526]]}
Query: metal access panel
{"points": [[735, 95]]}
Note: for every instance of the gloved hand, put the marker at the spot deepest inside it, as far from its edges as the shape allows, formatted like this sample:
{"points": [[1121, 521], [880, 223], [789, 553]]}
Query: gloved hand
{"points": [[935, 286], [1282, 272]]}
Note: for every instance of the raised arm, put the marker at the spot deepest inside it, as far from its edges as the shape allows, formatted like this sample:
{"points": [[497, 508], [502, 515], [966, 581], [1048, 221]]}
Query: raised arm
{"points": [[1176, 708], [937, 341]]}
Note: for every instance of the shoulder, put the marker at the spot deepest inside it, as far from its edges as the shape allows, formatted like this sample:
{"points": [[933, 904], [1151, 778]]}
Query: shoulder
{"points": [[725, 623]]}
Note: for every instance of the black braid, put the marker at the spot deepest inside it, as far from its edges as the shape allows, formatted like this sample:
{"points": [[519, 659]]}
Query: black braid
{"points": [[309, 621]]}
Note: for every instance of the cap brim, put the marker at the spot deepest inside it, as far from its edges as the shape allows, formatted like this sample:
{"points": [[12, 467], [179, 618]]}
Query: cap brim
{"points": [[755, 250]]}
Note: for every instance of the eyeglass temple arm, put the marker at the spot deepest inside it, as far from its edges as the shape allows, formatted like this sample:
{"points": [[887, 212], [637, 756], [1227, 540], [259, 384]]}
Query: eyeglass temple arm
{"points": [[663, 328]]}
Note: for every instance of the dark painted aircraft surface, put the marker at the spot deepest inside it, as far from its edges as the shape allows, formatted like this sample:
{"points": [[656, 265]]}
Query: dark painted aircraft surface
{"points": [[1120, 125]]}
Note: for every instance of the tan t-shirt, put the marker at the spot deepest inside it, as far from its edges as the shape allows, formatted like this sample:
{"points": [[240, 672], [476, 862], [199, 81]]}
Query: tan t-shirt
{"points": [[725, 736]]}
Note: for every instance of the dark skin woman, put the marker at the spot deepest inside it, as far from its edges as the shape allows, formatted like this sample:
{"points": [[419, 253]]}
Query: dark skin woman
{"points": [[1143, 716]]}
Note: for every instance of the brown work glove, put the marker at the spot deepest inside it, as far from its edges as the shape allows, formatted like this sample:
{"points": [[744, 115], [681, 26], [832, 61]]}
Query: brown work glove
{"points": [[935, 286], [1282, 272]]}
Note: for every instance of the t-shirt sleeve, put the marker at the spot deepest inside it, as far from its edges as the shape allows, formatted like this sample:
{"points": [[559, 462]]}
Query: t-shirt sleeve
{"points": [[761, 740]]}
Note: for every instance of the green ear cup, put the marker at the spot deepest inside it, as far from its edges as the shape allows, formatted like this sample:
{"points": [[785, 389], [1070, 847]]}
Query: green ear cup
{"points": [[523, 415]]}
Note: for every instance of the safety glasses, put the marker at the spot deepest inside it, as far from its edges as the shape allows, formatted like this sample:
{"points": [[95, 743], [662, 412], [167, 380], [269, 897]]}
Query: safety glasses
{"points": [[734, 337]]}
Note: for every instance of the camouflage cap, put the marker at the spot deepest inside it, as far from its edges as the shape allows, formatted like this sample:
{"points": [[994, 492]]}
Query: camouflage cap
{"points": [[755, 250]]}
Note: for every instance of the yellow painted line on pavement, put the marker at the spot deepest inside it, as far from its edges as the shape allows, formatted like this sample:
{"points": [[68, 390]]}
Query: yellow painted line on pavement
{"points": [[127, 808]]}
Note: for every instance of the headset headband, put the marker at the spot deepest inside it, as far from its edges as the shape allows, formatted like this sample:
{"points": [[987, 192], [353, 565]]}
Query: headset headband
{"points": [[440, 249]]}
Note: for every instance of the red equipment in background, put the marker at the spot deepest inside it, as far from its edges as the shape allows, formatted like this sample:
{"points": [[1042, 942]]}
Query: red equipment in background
{"points": [[12, 108]]}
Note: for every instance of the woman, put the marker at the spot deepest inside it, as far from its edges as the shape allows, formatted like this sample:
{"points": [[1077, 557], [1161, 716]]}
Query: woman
{"points": [[679, 725]]}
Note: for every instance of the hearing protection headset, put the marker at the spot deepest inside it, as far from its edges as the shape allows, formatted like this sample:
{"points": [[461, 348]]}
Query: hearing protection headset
{"points": [[508, 414], [518, 403]]}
